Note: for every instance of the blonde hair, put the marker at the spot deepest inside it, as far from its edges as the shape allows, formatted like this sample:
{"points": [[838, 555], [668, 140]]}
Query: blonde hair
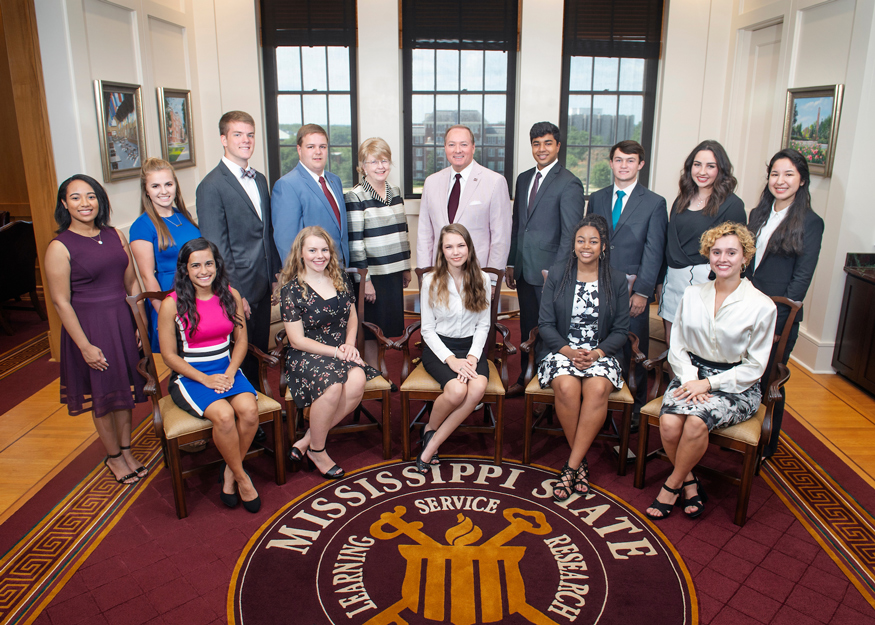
{"points": [[473, 287], [376, 147], [294, 268], [709, 238], [151, 166]]}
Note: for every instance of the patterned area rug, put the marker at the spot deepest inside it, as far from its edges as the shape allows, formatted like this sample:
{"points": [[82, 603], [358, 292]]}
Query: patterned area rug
{"points": [[26, 353]]}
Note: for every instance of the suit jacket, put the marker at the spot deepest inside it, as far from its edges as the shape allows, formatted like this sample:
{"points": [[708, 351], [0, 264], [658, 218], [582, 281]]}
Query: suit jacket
{"points": [[555, 318], [544, 235], [484, 209], [638, 241], [299, 202], [790, 276], [227, 217]]}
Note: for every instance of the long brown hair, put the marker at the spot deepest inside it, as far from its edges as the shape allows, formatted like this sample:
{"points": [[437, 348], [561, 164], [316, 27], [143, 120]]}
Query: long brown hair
{"points": [[150, 166], [724, 184], [473, 287], [787, 239], [294, 267]]}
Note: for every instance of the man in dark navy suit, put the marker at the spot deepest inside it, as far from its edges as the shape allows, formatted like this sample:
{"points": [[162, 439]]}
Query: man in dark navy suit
{"points": [[547, 204], [637, 221]]}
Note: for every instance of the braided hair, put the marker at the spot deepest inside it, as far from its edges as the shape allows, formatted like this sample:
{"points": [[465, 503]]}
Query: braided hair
{"points": [[569, 275]]}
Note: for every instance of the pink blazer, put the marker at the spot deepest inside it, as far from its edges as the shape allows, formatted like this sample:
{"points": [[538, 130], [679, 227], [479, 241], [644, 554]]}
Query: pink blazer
{"points": [[484, 209]]}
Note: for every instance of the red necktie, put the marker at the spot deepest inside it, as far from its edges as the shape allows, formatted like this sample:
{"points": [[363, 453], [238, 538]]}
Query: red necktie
{"points": [[453, 202], [331, 200], [534, 192]]}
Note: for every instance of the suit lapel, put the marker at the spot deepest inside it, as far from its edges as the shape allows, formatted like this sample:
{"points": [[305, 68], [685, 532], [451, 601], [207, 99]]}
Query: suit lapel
{"points": [[470, 188], [524, 190], [631, 205], [238, 188], [313, 187], [568, 300]]}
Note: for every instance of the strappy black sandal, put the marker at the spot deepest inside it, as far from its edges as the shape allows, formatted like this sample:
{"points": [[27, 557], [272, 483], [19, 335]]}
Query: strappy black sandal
{"points": [[121, 480], [698, 500], [664, 508], [564, 486], [581, 481], [140, 469], [333, 473]]}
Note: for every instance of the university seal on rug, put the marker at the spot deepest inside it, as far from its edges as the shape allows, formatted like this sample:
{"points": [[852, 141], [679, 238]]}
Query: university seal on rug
{"points": [[468, 543]]}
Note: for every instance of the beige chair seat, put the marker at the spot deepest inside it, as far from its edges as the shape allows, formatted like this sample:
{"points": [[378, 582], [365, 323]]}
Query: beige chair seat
{"points": [[621, 396], [421, 382], [178, 422]]}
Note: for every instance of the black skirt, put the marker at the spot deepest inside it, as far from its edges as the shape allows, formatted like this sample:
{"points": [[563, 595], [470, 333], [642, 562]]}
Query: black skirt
{"points": [[441, 371], [388, 311]]}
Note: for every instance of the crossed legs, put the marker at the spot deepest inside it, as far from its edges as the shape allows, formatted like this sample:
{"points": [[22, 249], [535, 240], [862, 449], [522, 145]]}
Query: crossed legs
{"points": [[234, 423], [452, 407], [685, 440]]}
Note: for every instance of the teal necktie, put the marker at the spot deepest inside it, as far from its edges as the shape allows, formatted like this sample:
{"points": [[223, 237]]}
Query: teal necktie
{"points": [[618, 207]]}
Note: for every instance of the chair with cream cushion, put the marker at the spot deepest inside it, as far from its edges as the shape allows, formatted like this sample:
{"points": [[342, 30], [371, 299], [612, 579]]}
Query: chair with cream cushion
{"points": [[174, 426], [747, 437]]}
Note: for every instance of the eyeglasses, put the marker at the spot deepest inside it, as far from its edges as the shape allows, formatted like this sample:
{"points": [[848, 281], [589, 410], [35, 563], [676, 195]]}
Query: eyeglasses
{"points": [[384, 163]]}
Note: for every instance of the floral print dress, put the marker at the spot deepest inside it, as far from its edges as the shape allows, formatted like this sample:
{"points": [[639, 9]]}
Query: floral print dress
{"points": [[582, 334], [325, 321]]}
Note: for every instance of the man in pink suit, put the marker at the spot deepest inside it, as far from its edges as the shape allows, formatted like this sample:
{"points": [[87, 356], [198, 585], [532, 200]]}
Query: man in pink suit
{"points": [[469, 194]]}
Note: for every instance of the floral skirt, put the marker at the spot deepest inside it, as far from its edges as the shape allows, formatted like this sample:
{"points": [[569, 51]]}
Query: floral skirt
{"points": [[556, 364]]}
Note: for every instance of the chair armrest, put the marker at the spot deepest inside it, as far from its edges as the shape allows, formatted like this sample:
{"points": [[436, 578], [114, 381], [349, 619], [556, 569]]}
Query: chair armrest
{"points": [[382, 344], [507, 346], [403, 344], [268, 359], [151, 386], [408, 332], [783, 374], [657, 389], [280, 345], [381, 338]]}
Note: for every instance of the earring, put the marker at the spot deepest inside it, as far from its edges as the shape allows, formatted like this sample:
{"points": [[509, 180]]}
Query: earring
{"points": [[602, 255], [743, 267]]}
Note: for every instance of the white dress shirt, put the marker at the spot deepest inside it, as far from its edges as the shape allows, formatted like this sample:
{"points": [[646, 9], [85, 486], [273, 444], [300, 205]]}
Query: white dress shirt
{"points": [[453, 320], [466, 173], [247, 183], [327, 186], [766, 232], [741, 331], [543, 172], [627, 191]]}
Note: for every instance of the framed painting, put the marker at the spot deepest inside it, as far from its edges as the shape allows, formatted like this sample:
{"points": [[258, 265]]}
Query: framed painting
{"points": [[811, 124], [120, 125], [177, 131]]}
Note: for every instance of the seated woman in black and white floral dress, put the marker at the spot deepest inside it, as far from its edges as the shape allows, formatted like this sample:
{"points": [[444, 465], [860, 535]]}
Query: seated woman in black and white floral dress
{"points": [[720, 344], [584, 322]]}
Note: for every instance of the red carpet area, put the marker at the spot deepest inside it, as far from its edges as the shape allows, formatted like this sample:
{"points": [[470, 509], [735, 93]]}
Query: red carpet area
{"points": [[87, 551]]}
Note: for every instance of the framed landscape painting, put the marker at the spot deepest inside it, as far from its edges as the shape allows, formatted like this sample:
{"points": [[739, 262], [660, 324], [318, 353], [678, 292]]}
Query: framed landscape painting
{"points": [[177, 133], [120, 126], [811, 124]]}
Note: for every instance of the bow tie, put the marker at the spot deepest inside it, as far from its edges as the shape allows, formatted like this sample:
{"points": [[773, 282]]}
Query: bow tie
{"points": [[247, 173]]}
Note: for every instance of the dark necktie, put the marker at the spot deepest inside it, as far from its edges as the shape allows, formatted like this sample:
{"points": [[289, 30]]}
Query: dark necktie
{"points": [[534, 192], [453, 202], [331, 200], [618, 207], [248, 173]]}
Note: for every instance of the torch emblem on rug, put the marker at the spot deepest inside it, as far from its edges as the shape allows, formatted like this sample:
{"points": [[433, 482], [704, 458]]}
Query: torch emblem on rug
{"points": [[461, 553]]}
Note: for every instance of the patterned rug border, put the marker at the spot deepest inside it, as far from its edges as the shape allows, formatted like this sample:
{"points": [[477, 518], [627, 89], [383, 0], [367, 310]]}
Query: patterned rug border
{"points": [[24, 354], [827, 511], [35, 570]]}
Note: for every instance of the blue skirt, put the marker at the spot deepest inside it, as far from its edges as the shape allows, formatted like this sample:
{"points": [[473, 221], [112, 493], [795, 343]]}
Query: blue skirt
{"points": [[195, 398]]}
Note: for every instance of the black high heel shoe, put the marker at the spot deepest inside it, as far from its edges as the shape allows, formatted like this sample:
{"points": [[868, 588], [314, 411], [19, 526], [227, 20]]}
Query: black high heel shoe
{"points": [[581, 480], [229, 499], [665, 508], [698, 500], [333, 473], [140, 469], [253, 505], [296, 456], [121, 480], [564, 486], [427, 435]]}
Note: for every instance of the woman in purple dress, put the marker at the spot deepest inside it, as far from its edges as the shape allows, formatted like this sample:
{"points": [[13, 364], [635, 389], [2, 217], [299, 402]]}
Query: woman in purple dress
{"points": [[90, 271]]}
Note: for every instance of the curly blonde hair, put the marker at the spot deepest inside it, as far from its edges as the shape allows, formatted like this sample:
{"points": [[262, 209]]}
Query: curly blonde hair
{"points": [[294, 267], [748, 243]]}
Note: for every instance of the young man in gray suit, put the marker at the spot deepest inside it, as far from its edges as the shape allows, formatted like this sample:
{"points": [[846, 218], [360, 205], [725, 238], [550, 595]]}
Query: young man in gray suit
{"points": [[547, 205], [233, 211], [637, 221]]}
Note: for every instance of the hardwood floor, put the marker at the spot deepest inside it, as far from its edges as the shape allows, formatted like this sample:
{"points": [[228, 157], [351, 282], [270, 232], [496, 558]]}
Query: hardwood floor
{"points": [[38, 438]]}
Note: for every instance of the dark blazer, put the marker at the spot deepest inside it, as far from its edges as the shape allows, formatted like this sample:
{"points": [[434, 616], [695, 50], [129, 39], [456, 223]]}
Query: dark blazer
{"points": [[790, 276], [555, 317], [299, 202], [227, 217], [638, 242], [545, 237]]}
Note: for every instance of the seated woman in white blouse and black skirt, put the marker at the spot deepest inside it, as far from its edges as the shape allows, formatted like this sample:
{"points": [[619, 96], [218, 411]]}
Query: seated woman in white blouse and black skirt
{"points": [[720, 344], [455, 326]]}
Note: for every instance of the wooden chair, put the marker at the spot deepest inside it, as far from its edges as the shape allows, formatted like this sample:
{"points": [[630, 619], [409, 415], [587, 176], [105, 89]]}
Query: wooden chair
{"points": [[620, 400], [419, 385], [377, 389], [174, 426], [747, 437], [18, 276]]}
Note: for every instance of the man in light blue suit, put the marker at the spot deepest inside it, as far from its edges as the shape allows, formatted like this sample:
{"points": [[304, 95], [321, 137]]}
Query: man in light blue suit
{"points": [[310, 196]]}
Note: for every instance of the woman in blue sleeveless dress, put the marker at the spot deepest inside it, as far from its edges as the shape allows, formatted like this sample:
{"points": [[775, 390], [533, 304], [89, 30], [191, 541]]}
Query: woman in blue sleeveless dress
{"points": [[196, 325], [90, 271], [164, 226]]}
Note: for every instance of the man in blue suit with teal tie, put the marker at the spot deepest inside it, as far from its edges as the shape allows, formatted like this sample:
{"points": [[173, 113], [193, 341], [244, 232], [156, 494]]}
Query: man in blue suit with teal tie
{"points": [[310, 196]]}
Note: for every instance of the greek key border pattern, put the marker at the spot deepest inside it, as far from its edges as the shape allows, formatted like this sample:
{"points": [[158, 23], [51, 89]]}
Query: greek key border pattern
{"points": [[23, 355]]}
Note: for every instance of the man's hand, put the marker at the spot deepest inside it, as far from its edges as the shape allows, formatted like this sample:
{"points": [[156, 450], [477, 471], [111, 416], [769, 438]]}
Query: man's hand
{"points": [[637, 304], [508, 278], [246, 309]]}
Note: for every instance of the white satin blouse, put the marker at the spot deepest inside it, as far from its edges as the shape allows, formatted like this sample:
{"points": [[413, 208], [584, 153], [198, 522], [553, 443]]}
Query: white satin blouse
{"points": [[453, 321], [741, 331]]}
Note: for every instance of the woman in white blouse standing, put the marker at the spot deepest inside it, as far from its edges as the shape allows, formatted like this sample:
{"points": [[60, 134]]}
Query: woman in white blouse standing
{"points": [[720, 344], [455, 326]]}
